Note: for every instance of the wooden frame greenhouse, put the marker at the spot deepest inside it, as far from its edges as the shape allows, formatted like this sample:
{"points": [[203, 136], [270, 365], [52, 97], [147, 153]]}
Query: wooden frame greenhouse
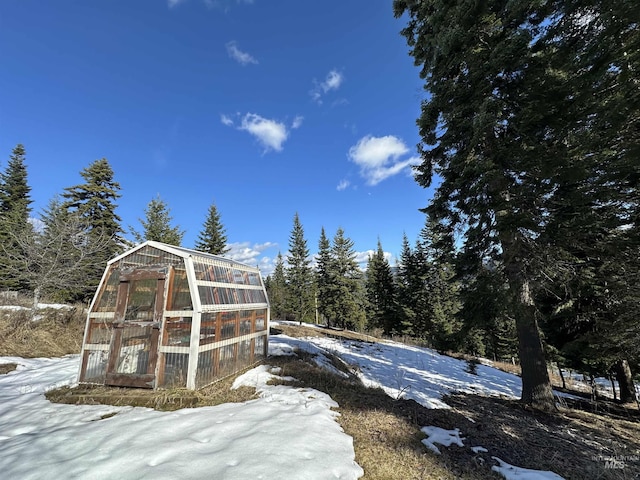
{"points": [[166, 316]]}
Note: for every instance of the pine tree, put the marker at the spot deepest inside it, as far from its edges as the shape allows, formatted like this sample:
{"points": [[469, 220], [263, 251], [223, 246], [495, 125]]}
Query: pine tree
{"points": [[435, 251], [533, 116], [278, 290], [480, 71], [348, 308], [212, 239], [299, 275], [95, 200], [408, 289], [14, 189], [325, 279], [381, 294], [157, 224], [15, 208]]}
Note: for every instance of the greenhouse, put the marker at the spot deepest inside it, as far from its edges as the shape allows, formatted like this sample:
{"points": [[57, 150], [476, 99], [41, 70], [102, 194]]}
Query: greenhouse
{"points": [[166, 316]]}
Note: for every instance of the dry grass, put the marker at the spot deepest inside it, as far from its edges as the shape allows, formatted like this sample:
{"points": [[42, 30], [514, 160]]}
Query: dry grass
{"points": [[165, 400], [57, 333]]}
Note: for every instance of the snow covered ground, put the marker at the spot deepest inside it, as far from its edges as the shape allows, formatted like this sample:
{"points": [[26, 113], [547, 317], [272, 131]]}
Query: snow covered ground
{"points": [[286, 433]]}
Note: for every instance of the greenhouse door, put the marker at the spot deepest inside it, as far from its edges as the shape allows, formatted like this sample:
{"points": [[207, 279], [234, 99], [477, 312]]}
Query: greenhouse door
{"points": [[134, 343]]}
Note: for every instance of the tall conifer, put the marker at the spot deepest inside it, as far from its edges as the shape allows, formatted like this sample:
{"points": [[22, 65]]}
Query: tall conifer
{"points": [[212, 239]]}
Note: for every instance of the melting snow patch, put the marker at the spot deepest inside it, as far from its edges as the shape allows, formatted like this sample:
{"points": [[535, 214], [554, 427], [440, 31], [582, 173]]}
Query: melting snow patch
{"points": [[518, 473], [441, 436], [479, 449]]}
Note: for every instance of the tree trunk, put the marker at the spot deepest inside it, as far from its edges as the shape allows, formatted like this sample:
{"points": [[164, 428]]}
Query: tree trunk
{"points": [[536, 385], [625, 382], [36, 301], [564, 383], [613, 388]]}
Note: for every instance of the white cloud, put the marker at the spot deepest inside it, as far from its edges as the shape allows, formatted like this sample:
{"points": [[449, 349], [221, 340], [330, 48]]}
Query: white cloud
{"points": [[332, 81], [297, 122], [174, 3], [245, 252], [379, 157], [362, 258], [270, 133], [343, 185], [243, 58]]}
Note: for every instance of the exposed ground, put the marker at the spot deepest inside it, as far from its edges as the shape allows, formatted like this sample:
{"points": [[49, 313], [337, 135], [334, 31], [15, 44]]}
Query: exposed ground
{"points": [[387, 438]]}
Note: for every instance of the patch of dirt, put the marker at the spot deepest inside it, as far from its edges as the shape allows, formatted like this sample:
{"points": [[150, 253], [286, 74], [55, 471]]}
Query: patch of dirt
{"points": [[7, 367]]}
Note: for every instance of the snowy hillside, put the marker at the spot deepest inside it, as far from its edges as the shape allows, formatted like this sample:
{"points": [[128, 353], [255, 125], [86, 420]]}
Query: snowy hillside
{"points": [[286, 433]]}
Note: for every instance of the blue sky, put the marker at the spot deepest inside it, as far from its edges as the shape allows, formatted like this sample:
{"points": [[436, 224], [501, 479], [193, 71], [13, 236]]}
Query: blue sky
{"points": [[265, 108]]}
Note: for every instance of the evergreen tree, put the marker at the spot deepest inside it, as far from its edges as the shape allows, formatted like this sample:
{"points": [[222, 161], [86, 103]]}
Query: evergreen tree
{"points": [[434, 250], [14, 189], [533, 105], [299, 275], [157, 224], [325, 279], [277, 290], [381, 294], [409, 289], [487, 329], [348, 309], [15, 204], [212, 239], [95, 200], [479, 66]]}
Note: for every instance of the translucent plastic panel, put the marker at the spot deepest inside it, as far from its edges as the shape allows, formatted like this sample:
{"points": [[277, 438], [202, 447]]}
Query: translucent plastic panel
{"points": [[177, 332], [141, 300], [151, 256], [261, 320], [254, 278], [100, 332], [228, 330], [208, 295], [96, 368], [259, 348], [227, 296], [173, 369], [221, 274], [227, 360], [180, 298], [257, 296], [208, 323], [206, 368], [244, 354], [133, 356], [240, 277], [246, 321], [243, 295], [245, 327], [107, 298]]}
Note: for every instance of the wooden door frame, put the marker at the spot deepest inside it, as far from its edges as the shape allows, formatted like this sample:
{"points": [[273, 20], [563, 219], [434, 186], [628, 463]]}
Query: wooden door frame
{"points": [[147, 379]]}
